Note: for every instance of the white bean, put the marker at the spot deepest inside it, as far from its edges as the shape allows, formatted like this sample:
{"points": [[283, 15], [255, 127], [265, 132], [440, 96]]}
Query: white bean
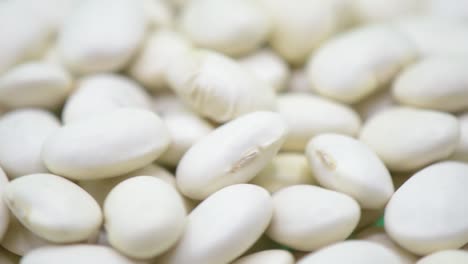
{"points": [[234, 27], [144, 216], [428, 212], [101, 93], [97, 38], [22, 134], [106, 145], [53, 208], [436, 83], [300, 26], [218, 87], [233, 153], [35, 84], [212, 236], [407, 139], [308, 217], [267, 66], [309, 115], [362, 252], [274, 256], [239, 100], [75, 254], [284, 170], [355, 64], [344, 164], [151, 65]]}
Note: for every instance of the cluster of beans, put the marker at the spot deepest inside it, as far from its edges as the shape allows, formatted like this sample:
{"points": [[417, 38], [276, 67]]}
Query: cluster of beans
{"points": [[234, 131]]}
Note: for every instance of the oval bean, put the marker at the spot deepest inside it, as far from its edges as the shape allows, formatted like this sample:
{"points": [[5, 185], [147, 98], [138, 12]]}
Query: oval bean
{"points": [[407, 138], [436, 83], [89, 44], [344, 164], [353, 65], [300, 26], [64, 213], [243, 27], [101, 93], [35, 84], [309, 115], [426, 213], [144, 216], [109, 145], [233, 153], [151, 64], [330, 217], [219, 239], [218, 87], [267, 66], [22, 134]]}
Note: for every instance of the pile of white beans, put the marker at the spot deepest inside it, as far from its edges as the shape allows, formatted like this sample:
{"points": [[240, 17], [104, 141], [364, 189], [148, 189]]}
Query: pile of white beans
{"points": [[234, 131]]}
